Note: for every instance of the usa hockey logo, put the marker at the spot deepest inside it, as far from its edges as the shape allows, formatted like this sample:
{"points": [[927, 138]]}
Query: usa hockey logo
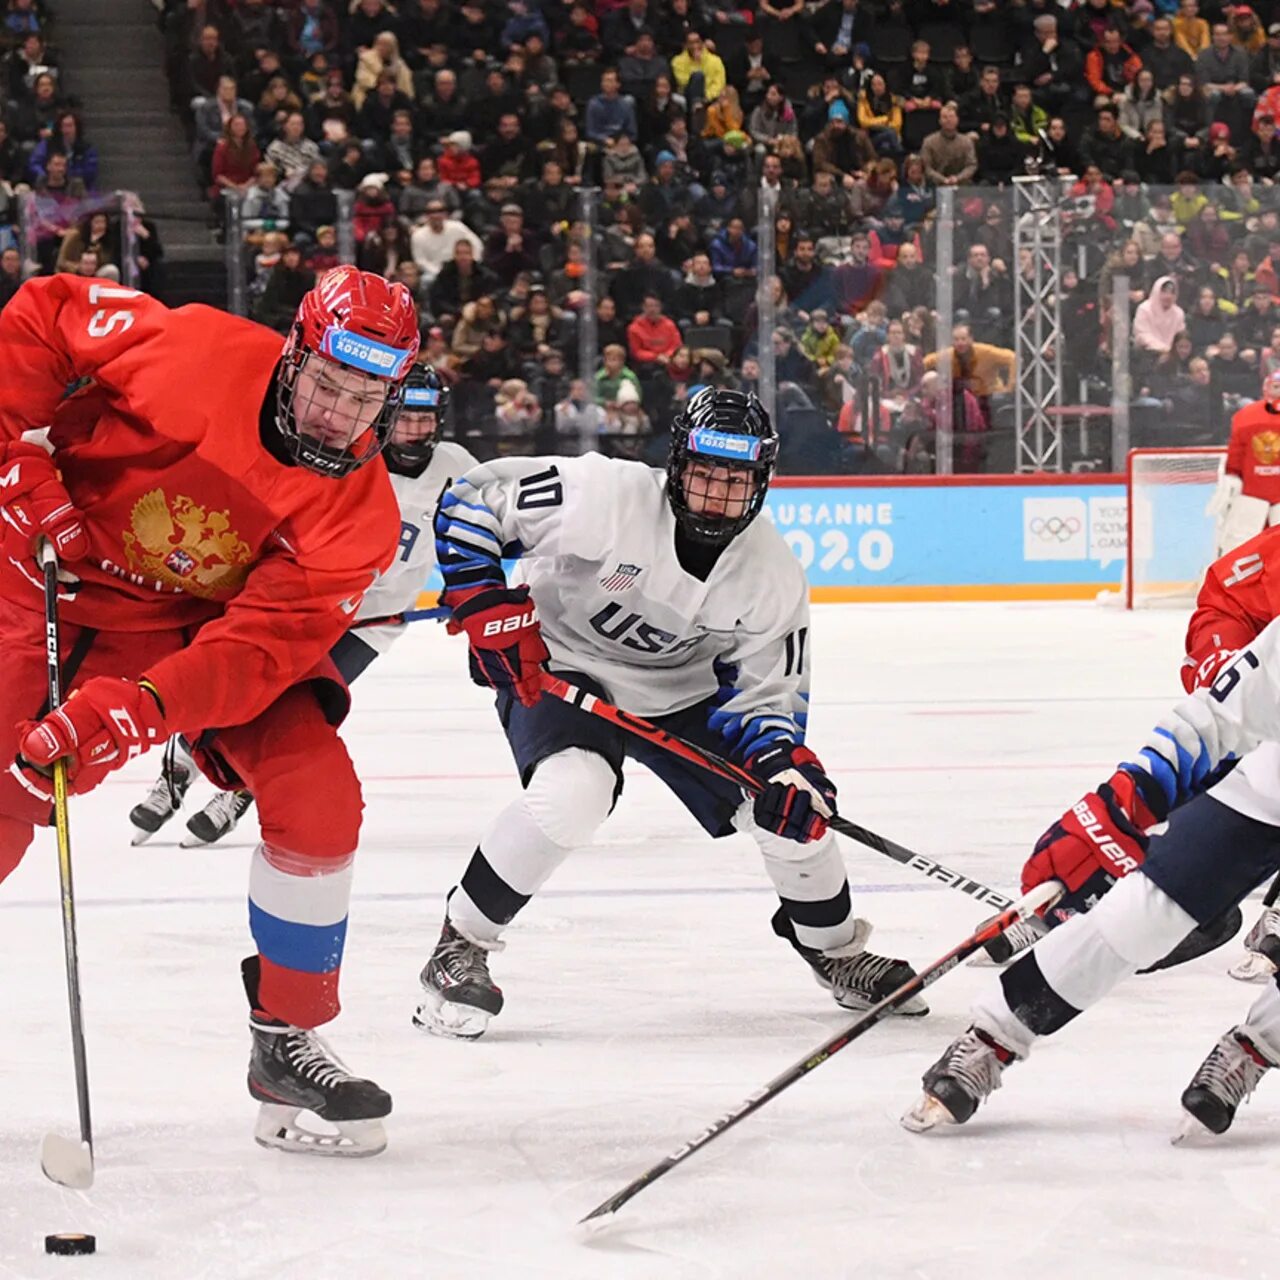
{"points": [[623, 578]]}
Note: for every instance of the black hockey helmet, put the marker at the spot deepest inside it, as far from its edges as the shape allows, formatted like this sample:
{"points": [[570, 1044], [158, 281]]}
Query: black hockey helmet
{"points": [[426, 400], [719, 441]]}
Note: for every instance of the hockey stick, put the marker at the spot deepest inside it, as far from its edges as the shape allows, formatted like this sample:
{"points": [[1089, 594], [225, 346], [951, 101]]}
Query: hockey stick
{"points": [[1272, 894], [1043, 895], [63, 1161], [580, 698]]}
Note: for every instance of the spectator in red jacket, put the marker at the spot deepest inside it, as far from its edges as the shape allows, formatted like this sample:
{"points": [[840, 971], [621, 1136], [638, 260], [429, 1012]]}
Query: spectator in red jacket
{"points": [[652, 337], [457, 164], [1110, 67], [373, 208]]}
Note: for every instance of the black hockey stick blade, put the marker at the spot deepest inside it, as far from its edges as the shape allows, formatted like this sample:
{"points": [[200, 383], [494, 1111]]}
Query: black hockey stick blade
{"points": [[1042, 896], [1199, 942], [67, 1162]]}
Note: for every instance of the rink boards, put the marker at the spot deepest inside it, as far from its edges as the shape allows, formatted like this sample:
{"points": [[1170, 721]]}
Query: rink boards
{"points": [[906, 538]]}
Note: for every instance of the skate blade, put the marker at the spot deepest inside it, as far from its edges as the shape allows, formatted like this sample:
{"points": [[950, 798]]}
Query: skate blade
{"points": [[452, 1021], [1252, 967], [914, 1008], [67, 1162], [1191, 1133], [140, 836], [192, 841], [927, 1113], [278, 1130]]}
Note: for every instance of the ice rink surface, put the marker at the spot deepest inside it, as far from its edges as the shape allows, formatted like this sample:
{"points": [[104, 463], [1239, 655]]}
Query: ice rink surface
{"points": [[645, 995]]}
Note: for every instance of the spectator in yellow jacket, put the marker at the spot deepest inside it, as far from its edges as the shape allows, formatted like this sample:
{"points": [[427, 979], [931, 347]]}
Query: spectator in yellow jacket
{"points": [[1190, 30], [980, 367], [880, 114], [694, 60]]}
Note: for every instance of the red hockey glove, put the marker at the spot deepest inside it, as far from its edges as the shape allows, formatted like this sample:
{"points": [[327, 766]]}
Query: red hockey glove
{"points": [[799, 798], [1098, 840], [34, 504], [507, 650], [103, 724], [1200, 671]]}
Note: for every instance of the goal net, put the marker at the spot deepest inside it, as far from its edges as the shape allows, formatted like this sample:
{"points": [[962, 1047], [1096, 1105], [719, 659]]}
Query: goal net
{"points": [[1171, 540]]}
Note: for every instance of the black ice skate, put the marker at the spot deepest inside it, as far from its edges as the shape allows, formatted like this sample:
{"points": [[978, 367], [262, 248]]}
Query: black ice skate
{"points": [[1223, 1081], [162, 802], [857, 979], [461, 997], [293, 1070], [217, 819], [1013, 941], [966, 1074], [1261, 956]]}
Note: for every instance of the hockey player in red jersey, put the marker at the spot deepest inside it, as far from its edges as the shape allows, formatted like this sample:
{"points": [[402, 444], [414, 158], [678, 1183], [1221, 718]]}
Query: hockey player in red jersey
{"points": [[1239, 597], [1247, 499], [210, 502]]}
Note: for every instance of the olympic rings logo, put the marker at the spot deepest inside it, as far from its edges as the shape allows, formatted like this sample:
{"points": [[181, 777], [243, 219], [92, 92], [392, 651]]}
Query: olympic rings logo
{"points": [[1054, 528]]}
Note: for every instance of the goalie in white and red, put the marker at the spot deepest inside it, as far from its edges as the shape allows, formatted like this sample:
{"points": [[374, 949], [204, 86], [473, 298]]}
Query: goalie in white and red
{"points": [[1247, 499]]}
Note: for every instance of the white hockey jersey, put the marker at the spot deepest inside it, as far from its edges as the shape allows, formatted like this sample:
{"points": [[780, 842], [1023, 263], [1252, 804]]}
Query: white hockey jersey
{"points": [[396, 590], [596, 541], [1237, 716]]}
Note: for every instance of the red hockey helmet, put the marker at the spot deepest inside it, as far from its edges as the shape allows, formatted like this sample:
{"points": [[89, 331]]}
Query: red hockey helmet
{"points": [[1271, 390], [341, 382]]}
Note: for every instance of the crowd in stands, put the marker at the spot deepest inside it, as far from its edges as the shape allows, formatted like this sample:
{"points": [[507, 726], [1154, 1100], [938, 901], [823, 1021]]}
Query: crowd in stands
{"points": [[47, 162], [460, 133]]}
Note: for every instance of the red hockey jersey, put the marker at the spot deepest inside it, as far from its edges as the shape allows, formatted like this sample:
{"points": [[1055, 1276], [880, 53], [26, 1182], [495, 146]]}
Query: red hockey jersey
{"points": [[191, 522], [1240, 596], [1253, 452]]}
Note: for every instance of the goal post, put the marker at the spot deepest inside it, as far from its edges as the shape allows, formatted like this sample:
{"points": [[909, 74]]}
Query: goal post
{"points": [[1171, 539]]}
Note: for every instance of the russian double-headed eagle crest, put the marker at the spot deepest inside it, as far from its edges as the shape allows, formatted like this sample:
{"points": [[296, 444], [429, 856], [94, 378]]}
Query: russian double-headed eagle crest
{"points": [[186, 547]]}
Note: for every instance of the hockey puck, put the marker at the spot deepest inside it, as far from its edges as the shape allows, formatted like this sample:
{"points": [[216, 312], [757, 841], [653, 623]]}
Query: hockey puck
{"points": [[70, 1243]]}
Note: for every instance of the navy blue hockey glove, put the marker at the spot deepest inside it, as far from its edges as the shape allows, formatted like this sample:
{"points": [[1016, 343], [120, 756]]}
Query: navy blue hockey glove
{"points": [[799, 797]]}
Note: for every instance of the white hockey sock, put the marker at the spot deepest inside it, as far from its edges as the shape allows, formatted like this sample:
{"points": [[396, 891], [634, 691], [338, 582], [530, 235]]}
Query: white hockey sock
{"points": [[568, 797], [811, 881], [1075, 965]]}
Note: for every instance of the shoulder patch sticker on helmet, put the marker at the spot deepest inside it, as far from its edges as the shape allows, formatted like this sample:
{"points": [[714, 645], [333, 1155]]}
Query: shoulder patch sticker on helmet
{"points": [[724, 444], [365, 354]]}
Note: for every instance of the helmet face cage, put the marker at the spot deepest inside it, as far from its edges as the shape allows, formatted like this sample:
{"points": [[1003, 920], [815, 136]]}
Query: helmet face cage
{"points": [[341, 380], [416, 431], [339, 455], [729, 430]]}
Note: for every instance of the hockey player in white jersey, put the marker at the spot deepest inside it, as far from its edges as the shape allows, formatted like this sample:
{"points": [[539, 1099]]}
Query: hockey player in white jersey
{"points": [[422, 467], [664, 594], [1130, 897]]}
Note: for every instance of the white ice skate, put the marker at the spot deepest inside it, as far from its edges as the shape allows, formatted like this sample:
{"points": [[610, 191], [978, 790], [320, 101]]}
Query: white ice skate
{"points": [[162, 802], [217, 819], [1013, 941], [1261, 949]]}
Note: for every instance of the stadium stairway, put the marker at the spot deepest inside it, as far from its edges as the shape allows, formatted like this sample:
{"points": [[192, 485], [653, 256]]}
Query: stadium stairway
{"points": [[114, 56]]}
